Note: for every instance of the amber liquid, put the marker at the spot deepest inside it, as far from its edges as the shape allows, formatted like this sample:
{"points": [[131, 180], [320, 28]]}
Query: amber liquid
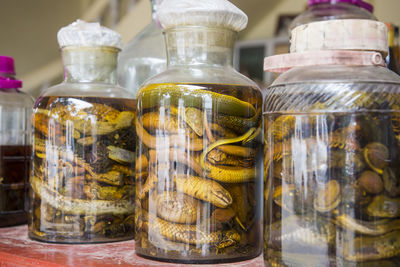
{"points": [[83, 180], [14, 169], [181, 221]]}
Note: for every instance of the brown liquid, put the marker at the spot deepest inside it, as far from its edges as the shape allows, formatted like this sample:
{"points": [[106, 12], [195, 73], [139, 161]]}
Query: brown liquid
{"points": [[83, 180], [14, 169], [181, 221]]}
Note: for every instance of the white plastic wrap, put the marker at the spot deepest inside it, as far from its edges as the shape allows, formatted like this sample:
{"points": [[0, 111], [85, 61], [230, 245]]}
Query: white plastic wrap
{"points": [[211, 13], [81, 33]]}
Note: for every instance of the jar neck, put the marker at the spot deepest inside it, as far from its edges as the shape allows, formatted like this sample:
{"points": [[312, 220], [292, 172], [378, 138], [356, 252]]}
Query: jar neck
{"points": [[199, 46], [154, 5], [90, 64]]}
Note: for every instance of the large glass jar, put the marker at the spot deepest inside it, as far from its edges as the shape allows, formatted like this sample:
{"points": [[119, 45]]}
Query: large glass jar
{"points": [[319, 10], [199, 153], [83, 153], [332, 155], [144, 56], [15, 149]]}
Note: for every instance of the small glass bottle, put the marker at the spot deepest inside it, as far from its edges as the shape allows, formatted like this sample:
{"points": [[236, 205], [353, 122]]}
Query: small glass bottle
{"points": [[82, 178], [15, 148], [144, 56], [199, 150], [319, 10]]}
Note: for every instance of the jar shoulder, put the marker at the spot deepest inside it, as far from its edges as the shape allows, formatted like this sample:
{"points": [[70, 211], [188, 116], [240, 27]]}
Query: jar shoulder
{"points": [[201, 75], [334, 89], [16, 98], [87, 90]]}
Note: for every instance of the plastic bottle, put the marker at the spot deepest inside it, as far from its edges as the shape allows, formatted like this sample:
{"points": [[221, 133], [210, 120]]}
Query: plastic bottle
{"points": [[15, 145]]}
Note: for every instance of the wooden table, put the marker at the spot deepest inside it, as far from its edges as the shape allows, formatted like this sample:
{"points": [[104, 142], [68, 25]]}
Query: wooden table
{"points": [[16, 250]]}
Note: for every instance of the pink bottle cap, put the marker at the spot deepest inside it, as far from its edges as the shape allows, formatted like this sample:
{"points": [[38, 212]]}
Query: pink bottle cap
{"points": [[285, 62], [6, 70], [359, 3]]}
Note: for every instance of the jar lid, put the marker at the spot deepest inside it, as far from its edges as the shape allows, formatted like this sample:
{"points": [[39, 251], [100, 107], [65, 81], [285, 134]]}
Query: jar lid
{"points": [[285, 62], [208, 13], [81, 33], [359, 3], [7, 65], [7, 68], [342, 34]]}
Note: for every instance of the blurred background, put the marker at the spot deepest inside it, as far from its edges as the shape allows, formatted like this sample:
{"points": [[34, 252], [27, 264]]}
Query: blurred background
{"points": [[29, 29]]}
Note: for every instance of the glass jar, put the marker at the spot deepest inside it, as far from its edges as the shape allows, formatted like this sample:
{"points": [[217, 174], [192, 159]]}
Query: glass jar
{"points": [[319, 10], [144, 56], [83, 153], [332, 155], [15, 148], [199, 154]]}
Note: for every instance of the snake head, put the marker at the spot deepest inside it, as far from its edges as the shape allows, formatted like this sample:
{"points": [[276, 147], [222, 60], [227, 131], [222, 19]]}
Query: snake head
{"points": [[228, 239], [220, 196], [232, 235]]}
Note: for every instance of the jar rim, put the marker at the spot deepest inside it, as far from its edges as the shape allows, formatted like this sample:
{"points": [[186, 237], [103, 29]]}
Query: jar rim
{"points": [[284, 62]]}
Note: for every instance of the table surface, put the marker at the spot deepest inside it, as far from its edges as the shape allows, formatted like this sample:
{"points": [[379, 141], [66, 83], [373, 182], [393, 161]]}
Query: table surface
{"points": [[16, 250]]}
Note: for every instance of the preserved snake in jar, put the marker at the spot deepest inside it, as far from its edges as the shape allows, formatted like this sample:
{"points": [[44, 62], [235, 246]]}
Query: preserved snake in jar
{"points": [[82, 180], [197, 172], [332, 186], [83, 168], [199, 143]]}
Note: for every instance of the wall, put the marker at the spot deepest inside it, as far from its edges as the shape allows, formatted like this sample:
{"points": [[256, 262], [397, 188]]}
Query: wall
{"points": [[29, 29], [385, 10], [266, 26]]}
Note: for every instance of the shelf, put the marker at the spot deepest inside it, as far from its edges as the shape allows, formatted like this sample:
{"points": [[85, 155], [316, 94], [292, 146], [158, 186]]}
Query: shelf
{"points": [[17, 250]]}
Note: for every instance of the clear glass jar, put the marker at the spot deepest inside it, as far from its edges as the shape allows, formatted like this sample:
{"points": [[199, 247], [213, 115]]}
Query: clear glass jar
{"points": [[144, 56], [332, 154], [15, 147], [330, 10], [82, 178], [199, 154]]}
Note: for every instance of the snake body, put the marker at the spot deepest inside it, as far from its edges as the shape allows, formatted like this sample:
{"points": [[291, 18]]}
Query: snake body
{"points": [[193, 96], [189, 234], [368, 248], [162, 142], [79, 206], [178, 208]]}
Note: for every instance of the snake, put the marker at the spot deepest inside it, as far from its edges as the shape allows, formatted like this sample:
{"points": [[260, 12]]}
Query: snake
{"points": [[103, 123], [228, 174], [368, 248], [161, 142], [189, 234], [172, 154], [177, 208], [238, 124], [374, 228], [192, 96], [203, 189], [79, 206]]}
